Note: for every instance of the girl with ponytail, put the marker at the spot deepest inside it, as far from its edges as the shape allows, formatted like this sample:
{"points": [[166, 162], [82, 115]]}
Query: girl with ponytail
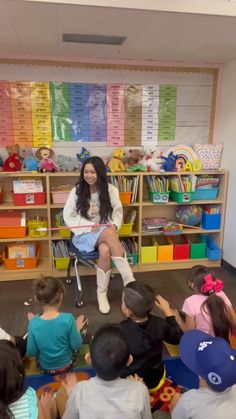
{"points": [[209, 309]]}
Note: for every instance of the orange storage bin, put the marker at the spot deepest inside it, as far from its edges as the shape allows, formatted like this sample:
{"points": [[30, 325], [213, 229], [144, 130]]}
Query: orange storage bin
{"points": [[164, 248], [22, 263], [7, 232], [125, 197]]}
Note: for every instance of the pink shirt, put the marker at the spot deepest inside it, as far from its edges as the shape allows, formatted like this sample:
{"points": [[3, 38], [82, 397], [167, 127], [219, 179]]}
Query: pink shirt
{"points": [[192, 307]]}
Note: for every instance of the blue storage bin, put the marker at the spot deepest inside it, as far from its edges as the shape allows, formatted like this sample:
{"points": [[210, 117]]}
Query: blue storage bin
{"points": [[211, 221], [199, 194], [213, 252]]}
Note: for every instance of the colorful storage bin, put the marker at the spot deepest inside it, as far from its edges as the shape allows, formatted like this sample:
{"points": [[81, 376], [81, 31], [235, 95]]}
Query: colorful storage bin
{"points": [[8, 232], [125, 230], [21, 263], [181, 247], [125, 197], [213, 251], [204, 194], [197, 246], [164, 248], [132, 258], [22, 199], [61, 263], [158, 197], [59, 197], [181, 197], [64, 232], [33, 226], [211, 221], [148, 251]]}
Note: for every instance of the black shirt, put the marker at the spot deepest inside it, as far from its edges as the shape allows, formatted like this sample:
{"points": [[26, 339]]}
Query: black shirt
{"points": [[146, 345]]}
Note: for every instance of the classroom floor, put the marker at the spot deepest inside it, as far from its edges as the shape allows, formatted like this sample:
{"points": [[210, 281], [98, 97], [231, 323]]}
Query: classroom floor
{"points": [[169, 284]]}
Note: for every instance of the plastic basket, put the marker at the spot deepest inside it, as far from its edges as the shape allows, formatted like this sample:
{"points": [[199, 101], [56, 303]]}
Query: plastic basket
{"points": [[61, 263], [200, 194], [8, 232], [132, 258], [158, 197], [64, 232], [59, 197], [37, 198], [33, 225], [125, 197], [22, 263], [126, 230], [181, 197]]}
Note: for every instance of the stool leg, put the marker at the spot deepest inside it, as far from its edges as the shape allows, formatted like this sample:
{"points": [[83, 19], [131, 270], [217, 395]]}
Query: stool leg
{"points": [[79, 303], [103, 279]]}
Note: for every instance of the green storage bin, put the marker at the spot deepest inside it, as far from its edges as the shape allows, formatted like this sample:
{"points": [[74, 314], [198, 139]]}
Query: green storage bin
{"points": [[61, 263], [132, 258], [181, 197], [197, 246], [158, 197]]}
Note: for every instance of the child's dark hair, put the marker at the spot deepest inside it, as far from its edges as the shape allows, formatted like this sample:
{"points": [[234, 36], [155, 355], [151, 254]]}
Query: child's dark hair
{"points": [[12, 377], [139, 298], [48, 291], [83, 190], [214, 305], [109, 352]]}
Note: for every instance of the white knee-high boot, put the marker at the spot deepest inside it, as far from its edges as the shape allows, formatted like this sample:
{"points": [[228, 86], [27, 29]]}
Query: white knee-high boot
{"points": [[123, 267], [103, 279]]}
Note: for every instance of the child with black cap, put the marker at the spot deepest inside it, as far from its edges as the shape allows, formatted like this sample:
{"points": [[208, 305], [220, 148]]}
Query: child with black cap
{"points": [[213, 359], [145, 333]]}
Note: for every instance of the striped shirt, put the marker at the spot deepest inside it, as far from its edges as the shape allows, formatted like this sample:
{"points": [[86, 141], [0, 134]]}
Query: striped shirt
{"points": [[26, 407]]}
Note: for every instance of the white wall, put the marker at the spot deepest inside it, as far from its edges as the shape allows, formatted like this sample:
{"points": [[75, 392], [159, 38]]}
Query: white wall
{"points": [[227, 135]]}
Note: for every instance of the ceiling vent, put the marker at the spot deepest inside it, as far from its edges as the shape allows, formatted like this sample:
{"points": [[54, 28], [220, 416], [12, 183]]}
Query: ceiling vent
{"points": [[93, 39]]}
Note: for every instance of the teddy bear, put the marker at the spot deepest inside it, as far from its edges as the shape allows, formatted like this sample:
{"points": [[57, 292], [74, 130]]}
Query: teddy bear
{"points": [[116, 164], [28, 160], [135, 156], [12, 163]]}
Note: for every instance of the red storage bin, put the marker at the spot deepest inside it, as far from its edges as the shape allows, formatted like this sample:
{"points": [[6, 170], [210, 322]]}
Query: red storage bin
{"points": [[181, 247], [35, 198]]}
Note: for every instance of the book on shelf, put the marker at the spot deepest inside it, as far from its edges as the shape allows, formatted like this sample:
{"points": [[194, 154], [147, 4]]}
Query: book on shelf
{"points": [[60, 249]]}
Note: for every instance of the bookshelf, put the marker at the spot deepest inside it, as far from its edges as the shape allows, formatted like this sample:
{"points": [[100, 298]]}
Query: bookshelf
{"points": [[144, 207]]}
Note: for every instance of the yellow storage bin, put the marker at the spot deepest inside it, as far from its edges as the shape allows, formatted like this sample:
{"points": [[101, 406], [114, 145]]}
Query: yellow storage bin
{"points": [[64, 232], [148, 251], [61, 263], [126, 230], [164, 248], [33, 226]]}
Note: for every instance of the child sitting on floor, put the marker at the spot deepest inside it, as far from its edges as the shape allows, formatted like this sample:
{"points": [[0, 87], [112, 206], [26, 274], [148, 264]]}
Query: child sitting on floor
{"points": [[107, 395], [54, 338], [209, 309], [15, 400], [145, 333]]}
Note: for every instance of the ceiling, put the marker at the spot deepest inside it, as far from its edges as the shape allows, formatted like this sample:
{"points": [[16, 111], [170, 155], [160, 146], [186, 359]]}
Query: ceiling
{"points": [[33, 30]]}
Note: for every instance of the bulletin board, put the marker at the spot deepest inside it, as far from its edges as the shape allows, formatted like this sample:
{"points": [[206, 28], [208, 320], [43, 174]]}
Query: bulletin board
{"points": [[101, 105]]}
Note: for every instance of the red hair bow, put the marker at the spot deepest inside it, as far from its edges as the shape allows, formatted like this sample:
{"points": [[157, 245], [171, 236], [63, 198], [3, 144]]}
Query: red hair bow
{"points": [[210, 285]]}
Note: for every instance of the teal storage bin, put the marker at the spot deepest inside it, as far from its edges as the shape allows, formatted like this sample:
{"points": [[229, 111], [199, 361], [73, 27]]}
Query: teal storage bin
{"points": [[211, 221], [199, 194], [181, 197], [158, 197]]}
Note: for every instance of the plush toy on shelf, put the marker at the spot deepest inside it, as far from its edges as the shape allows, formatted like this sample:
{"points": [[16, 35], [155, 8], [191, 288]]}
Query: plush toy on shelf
{"points": [[28, 160], [12, 163], [135, 156], [66, 163], [82, 156], [169, 163], [46, 163], [116, 164], [151, 159]]}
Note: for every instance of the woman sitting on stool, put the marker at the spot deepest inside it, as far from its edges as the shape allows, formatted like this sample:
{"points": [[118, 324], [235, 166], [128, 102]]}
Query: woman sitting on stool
{"points": [[94, 201]]}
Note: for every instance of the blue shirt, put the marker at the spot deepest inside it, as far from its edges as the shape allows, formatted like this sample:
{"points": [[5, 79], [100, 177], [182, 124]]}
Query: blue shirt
{"points": [[26, 407], [53, 341]]}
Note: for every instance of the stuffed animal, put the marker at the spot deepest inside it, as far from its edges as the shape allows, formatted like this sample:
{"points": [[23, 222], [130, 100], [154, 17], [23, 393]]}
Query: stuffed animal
{"points": [[151, 159], [12, 163], [82, 156], [46, 163], [169, 163], [116, 164], [67, 164], [135, 156], [28, 160]]}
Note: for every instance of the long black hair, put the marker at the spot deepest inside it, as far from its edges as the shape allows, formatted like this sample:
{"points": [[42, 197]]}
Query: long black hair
{"points": [[12, 378], [214, 305], [83, 190]]}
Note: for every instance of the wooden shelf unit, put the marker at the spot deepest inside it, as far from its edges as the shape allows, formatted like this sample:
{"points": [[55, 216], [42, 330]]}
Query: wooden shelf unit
{"points": [[144, 209]]}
